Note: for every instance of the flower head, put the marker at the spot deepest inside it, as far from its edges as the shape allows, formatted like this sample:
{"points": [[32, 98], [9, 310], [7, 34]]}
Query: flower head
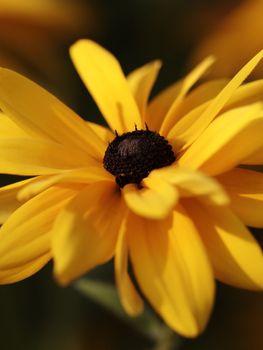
{"points": [[161, 187]]}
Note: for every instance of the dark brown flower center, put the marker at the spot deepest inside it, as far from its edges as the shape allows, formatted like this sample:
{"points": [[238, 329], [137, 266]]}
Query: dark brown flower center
{"points": [[133, 155]]}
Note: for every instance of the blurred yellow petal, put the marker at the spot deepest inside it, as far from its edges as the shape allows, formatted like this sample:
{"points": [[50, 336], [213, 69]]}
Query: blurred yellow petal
{"points": [[246, 94], [141, 82], [198, 126], [191, 183], [42, 115], [81, 176], [172, 269], [85, 231], [27, 156], [8, 198], [129, 297], [25, 236], [103, 76], [235, 39], [245, 189], [236, 256], [171, 117], [227, 141], [200, 95], [154, 201]]}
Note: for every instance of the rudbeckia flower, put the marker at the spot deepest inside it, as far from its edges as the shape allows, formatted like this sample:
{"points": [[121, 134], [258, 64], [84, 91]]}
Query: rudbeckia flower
{"points": [[163, 187]]}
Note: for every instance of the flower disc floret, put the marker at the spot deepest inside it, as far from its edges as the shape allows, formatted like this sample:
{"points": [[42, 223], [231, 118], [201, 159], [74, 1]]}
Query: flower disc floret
{"points": [[133, 155]]}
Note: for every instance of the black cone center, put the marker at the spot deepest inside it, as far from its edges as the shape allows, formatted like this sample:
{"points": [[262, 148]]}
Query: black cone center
{"points": [[133, 155]]}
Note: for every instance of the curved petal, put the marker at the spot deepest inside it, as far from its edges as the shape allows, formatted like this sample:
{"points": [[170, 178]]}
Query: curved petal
{"points": [[28, 156], [42, 115], [8, 198], [236, 256], [141, 82], [251, 92], [199, 95], [85, 231], [216, 105], [130, 299], [191, 183], [227, 141], [172, 269], [25, 236], [103, 76], [186, 84], [10, 129], [81, 176], [245, 189], [154, 201]]}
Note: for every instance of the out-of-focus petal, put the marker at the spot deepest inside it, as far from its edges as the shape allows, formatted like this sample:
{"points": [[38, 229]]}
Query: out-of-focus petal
{"points": [[85, 232], [245, 189]]}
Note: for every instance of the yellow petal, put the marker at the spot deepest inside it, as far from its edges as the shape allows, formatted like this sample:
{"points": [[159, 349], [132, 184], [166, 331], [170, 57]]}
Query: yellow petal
{"points": [[141, 82], [191, 183], [154, 201], [256, 158], [104, 133], [103, 76], [245, 189], [172, 269], [9, 129], [227, 141], [246, 94], [213, 108], [42, 115], [236, 256], [184, 131], [85, 231], [81, 176], [28, 156], [8, 198], [25, 236], [200, 95], [186, 84], [129, 297]]}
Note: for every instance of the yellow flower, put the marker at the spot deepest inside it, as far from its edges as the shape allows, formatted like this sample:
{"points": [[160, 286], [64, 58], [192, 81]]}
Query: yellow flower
{"points": [[172, 199]]}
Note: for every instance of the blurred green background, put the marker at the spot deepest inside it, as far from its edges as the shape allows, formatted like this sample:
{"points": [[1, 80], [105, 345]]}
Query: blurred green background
{"points": [[35, 36]]}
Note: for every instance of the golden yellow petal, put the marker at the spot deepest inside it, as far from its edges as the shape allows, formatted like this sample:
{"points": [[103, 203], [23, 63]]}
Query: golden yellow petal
{"points": [[141, 82], [172, 269], [154, 201], [104, 133], [85, 232], [28, 156], [236, 256], [245, 189], [130, 299], [80, 176], [25, 236], [8, 198], [103, 76], [186, 84], [191, 183], [191, 133], [41, 114], [227, 141]]}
